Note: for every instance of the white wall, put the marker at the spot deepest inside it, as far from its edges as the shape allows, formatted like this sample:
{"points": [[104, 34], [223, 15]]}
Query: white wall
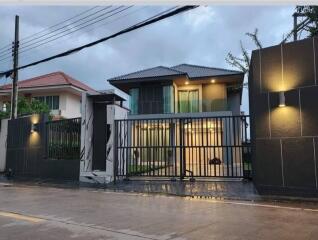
{"points": [[86, 135], [114, 112], [3, 143], [72, 104], [86, 172]]}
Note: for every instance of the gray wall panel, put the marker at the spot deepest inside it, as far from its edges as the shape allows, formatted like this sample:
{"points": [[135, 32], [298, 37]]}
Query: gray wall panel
{"points": [[295, 126], [268, 165], [271, 69], [309, 111], [299, 164], [298, 64], [261, 114], [285, 122]]}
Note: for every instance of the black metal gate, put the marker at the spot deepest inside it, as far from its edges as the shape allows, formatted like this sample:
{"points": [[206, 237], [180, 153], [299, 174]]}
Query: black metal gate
{"points": [[182, 147]]}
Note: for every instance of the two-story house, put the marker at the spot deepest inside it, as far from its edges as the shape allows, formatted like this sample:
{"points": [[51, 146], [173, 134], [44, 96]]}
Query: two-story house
{"points": [[182, 89], [59, 91], [185, 112]]}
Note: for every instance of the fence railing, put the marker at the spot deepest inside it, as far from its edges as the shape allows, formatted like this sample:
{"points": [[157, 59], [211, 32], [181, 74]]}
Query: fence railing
{"points": [[182, 147], [63, 139]]}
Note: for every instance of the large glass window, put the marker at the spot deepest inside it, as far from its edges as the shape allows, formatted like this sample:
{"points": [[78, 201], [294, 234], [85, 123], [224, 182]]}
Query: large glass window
{"points": [[134, 98], [168, 99], [188, 101], [52, 101]]}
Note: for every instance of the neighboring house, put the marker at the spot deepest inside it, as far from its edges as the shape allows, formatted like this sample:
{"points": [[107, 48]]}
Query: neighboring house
{"points": [[60, 91], [185, 119]]}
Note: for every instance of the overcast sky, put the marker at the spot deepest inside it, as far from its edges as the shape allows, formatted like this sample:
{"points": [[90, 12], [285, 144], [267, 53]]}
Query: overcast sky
{"points": [[202, 36]]}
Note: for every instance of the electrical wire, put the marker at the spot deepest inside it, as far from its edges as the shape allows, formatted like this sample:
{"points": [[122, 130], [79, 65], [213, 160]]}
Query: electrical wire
{"points": [[46, 29], [126, 30], [65, 28], [103, 24], [58, 37], [21, 52]]}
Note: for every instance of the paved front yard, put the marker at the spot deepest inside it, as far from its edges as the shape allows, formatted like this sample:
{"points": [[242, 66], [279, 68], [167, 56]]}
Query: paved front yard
{"points": [[31, 212]]}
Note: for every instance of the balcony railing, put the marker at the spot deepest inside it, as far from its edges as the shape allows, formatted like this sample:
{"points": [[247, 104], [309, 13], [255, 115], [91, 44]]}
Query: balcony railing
{"points": [[203, 106], [187, 106]]}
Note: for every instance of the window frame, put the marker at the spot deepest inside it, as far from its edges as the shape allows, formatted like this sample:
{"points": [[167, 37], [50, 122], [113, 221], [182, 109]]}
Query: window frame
{"points": [[188, 105]]}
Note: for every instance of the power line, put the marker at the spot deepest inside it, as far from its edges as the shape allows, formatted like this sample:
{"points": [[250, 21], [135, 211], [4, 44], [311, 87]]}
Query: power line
{"points": [[126, 30], [46, 29], [57, 31], [70, 24], [57, 24], [296, 29], [3, 59], [103, 24], [41, 42]]}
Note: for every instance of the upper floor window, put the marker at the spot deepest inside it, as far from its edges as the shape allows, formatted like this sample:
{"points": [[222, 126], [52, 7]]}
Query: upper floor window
{"points": [[52, 101], [168, 99], [188, 101], [134, 98]]}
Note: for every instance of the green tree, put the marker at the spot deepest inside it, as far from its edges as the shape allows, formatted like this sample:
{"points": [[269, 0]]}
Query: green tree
{"points": [[310, 12], [27, 107]]}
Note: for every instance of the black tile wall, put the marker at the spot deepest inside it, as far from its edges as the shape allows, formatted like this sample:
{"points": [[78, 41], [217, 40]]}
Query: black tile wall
{"points": [[309, 111], [271, 68], [285, 122], [298, 64], [299, 164], [268, 166]]}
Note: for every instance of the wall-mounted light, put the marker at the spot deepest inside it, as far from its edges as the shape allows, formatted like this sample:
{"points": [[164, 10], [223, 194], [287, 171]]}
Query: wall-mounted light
{"points": [[34, 128], [282, 99], [213, 81], [186, 83]]}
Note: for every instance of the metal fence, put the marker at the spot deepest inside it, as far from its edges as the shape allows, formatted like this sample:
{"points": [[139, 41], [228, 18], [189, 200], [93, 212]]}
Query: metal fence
{"points": [[63, 139], [182, 147]]}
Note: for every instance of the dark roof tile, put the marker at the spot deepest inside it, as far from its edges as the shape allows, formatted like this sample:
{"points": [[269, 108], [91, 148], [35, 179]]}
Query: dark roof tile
{"points": [[192, 71], [159, 71], [195, 71]]}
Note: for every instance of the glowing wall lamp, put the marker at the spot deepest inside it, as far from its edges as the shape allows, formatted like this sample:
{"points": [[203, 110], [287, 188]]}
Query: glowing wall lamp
{"points": [[34, 128], [282, 99]]}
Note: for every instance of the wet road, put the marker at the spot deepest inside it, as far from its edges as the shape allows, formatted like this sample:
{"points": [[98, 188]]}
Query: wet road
{"points": [[30, 212]]}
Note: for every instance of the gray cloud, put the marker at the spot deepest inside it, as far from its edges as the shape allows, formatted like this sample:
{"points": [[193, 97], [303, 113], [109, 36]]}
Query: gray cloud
{"points": [[202, 36]]}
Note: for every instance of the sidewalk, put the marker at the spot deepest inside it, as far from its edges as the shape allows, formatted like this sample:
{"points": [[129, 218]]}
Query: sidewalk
{"points": [[220, 189], [235, 190]]}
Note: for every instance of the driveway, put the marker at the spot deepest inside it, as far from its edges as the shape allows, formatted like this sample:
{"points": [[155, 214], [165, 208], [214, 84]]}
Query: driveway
{"points": [[33, 212]]}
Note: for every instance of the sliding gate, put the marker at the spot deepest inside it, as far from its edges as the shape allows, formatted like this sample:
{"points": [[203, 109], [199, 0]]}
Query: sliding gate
{"points": [[182, 147]]}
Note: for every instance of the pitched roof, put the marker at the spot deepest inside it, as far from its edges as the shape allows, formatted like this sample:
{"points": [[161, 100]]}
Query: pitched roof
{"points": [[192, 71], [159, 71], [49, 80], [195, 71]]}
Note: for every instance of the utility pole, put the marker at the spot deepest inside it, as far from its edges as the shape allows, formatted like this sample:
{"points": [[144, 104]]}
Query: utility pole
{"points": [[295, 26], [14, 93]]}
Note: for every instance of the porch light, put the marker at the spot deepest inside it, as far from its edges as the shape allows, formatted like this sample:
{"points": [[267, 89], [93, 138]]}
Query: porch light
{"points": [[282, 99], [186, 83], [213, 81]]}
